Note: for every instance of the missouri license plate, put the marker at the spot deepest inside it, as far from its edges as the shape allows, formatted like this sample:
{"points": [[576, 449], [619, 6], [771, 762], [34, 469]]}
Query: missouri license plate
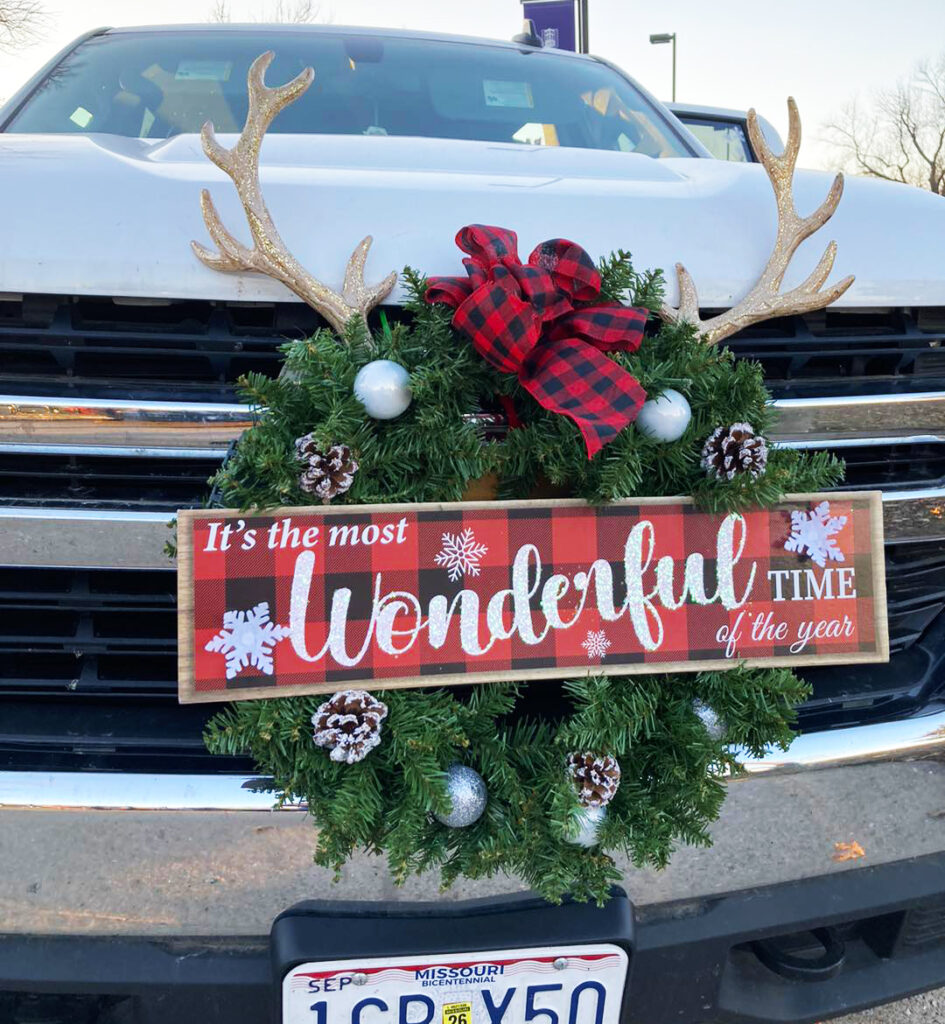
{"points": [[547, 985]]}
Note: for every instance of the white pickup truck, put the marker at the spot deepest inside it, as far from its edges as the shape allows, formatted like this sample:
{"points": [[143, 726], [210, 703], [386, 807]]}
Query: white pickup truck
{"points": [[141, 876]]}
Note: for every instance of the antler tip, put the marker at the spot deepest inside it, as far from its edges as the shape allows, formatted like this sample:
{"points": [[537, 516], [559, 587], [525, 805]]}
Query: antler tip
{"points": [[263, 60], [841, 286], [384, 288], [207, 257], [765, 298]]}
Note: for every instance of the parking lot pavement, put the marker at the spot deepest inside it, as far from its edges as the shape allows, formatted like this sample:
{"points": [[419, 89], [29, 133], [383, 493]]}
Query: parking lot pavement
{"points": [[925, 1009]]}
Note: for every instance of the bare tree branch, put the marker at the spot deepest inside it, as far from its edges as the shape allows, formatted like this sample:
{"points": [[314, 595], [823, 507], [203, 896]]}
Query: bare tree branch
{"points": [[219, 12], [902, 137], [298, 12], [20, 23]]}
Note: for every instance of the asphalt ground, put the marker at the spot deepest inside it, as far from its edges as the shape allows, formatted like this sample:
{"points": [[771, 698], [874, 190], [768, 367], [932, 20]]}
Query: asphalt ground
{"points": [[924, 1009]]}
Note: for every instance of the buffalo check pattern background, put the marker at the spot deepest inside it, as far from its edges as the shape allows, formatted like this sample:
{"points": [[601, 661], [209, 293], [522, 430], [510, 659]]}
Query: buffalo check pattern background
{"points": [[569, 538]]}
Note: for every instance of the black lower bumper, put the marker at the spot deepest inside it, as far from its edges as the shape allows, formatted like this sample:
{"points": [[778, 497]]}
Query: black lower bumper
{"points": [[795, 952]]}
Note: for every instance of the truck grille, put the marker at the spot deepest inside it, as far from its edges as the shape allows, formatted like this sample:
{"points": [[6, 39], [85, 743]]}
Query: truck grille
{"points": [[893, 467], [155, 481], [95, 632], [162, 482], [103, 343], [88, 670], [848, 351], [90, 632], [69, 343], [90, 666]]}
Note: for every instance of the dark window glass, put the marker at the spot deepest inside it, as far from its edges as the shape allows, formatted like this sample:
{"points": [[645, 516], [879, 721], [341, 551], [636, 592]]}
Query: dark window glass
{"points": [[725, 140], [156, 84]]}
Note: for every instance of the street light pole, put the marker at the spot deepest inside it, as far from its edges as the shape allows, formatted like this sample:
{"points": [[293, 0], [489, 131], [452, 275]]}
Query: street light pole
{"points": [[584, 34], [667, 37], [674, 67]]}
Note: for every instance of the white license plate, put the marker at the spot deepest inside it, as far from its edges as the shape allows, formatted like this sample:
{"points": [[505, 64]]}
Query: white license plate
{"points": [[544, 985]]}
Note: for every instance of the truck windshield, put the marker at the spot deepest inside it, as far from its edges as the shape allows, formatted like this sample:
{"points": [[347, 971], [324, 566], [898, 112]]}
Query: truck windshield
{"points": [[155, 84]]}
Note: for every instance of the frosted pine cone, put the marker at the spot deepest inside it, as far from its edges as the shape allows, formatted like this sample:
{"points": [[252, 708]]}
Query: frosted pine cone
{"points": [[349, 724], [595, 778], [326, 474], [733, 450]]}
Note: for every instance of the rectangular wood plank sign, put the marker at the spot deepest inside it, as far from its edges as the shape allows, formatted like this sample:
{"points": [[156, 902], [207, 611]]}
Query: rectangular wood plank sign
{"points": [[308, 600]]}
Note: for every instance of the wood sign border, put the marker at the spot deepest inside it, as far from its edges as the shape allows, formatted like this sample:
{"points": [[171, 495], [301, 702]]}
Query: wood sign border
{"points": [[189, 694]]}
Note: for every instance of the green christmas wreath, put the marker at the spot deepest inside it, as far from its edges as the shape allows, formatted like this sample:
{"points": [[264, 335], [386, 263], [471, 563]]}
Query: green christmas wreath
{"points": [[653, 750], [544, 781]]}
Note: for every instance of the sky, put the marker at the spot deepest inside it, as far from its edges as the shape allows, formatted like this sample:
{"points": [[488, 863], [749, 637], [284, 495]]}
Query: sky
{"points": [[731, 53]]}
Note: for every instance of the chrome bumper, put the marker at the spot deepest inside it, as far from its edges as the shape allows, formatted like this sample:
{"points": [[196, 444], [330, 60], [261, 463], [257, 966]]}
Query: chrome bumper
{"points": [[165, 855], [904, 739]]}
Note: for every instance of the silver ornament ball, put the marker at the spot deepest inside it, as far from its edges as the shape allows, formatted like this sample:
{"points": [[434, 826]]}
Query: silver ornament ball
{"points": [[468, 796], [588, 826], [383, 388], [665, 418], [710, 718]]}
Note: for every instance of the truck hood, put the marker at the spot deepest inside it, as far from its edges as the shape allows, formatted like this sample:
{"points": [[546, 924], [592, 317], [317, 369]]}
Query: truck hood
{"points": [[103, 215]]}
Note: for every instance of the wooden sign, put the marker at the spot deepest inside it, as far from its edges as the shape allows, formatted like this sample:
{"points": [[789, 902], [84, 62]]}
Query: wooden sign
{"points": [[308, 600]]}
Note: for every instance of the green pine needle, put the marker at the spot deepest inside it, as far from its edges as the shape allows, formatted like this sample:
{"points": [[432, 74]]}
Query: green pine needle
{"points": [[672, 772]]}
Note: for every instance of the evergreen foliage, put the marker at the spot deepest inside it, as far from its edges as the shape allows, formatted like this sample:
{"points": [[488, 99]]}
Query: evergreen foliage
{"points": [[516, 737]]}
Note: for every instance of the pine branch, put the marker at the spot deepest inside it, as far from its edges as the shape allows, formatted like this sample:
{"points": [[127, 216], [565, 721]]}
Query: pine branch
{"points": [[672, 770]]}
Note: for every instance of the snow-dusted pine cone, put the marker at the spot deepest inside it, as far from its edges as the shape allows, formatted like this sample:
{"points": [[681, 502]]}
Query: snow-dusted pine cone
{"points": [[326, 474], [595, 778], [350, 724], [733, 450]]}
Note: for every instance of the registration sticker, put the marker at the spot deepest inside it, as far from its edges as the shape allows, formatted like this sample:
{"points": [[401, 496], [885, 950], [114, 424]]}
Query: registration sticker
{"points": [[564, 984], [203, 70], [457, 1013], [507, 94]]}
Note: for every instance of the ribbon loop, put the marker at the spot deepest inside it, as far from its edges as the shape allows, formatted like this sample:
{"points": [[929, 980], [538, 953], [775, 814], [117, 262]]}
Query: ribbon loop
{"points": [[523, 319]]}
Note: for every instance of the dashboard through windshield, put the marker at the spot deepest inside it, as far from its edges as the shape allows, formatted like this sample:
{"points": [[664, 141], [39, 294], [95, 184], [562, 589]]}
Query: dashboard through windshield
{"points": [[156, 84]]}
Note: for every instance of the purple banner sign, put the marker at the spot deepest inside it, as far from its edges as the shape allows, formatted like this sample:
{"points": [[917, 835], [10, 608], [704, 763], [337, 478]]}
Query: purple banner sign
{"points": [[554, 22]]}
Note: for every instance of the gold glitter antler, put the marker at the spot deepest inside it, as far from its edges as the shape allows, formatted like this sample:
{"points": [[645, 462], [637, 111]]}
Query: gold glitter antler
{"points": [[269, 254], [765, 300]]}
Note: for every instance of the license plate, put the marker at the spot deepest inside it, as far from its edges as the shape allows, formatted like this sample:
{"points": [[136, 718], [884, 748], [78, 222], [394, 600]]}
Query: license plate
{"points": [[547, 985]]}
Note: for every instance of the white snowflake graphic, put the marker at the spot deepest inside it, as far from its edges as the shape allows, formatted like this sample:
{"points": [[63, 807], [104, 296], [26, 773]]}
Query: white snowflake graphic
{"points": [[596, 644], [461, 554], [813, 533], [247, 638]]}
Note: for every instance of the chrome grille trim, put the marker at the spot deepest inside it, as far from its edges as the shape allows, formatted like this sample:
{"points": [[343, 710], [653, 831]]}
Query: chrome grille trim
{"points": [[877, 417], [914, 515], [119, 424], [108, 423], [89, 539], [113, 450], [84, 539], [850, 442]]}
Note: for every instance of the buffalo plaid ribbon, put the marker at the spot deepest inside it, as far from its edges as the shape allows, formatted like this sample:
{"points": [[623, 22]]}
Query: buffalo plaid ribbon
{"points": [[536, 320]]}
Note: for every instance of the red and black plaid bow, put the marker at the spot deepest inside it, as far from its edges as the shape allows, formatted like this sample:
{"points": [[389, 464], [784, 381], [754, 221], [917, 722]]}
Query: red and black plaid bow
{"points": [[533, 320]]}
